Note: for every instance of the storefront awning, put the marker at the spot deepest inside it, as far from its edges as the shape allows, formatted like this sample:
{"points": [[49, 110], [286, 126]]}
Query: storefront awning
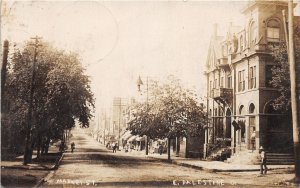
{"points": [[140, 138], [133, 138], [126, 135]]}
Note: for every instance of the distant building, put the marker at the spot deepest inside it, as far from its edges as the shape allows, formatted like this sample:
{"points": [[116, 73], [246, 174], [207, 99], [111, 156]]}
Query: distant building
{"points": [[238, 84], [120, 116]]}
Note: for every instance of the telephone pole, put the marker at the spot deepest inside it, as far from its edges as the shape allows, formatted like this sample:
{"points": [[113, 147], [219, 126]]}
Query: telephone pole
{"points": [[28, 148], [291, 57], [4, 69], [139, 83]]}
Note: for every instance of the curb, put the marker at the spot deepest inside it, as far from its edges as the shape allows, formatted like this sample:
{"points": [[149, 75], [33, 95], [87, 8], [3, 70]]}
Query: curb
{"points": [[24, 168], [50, 174], [57, 162]]}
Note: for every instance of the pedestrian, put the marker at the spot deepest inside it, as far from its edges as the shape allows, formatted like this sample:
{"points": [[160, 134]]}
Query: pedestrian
{"points": [[253, 140], [72, 146], [126, 147], [263, 163], [62, 146], [115, 148], [160, 148]]}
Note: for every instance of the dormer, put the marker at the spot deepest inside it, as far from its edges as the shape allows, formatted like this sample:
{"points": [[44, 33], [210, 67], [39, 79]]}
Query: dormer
{"points": [[264, 23], [214, 52]]}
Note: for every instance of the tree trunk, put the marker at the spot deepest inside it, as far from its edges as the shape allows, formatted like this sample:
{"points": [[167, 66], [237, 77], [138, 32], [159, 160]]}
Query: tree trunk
{"points": [[177, 146], [169, 149], [29, 159], [39, 140], [43, 147], [66, 135], [47, 145]]}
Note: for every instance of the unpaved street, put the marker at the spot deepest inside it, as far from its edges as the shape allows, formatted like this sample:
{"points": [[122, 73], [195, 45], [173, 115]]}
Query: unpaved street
{"points": [[93, 165]]}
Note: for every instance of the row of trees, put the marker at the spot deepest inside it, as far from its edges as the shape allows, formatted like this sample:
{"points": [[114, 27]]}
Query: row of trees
{"points": [[60, 91], [169, 111]]}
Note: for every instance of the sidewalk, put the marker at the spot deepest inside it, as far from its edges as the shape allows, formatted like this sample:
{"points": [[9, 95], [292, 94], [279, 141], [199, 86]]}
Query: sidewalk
{"points": [[216, 166], [15, 174], [18, 164], [212, 166], [46, 162]]}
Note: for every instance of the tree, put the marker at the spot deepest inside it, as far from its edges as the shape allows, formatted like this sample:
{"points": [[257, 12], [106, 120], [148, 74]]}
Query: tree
{"points": [[62, 93], [171, 111], [281, 75]]}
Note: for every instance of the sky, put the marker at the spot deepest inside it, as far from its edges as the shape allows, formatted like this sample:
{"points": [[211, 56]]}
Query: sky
{"points": [[119, 40]]}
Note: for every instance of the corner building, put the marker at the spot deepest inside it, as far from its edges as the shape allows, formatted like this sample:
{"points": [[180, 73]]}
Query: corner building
{"points": [[239, 103]]}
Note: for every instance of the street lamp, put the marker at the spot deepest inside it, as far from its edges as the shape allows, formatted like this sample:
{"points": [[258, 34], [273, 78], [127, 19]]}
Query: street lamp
{"points": [[139, 83]]}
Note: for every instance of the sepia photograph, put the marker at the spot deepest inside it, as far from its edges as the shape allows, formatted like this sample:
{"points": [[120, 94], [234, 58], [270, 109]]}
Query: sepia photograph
{"points": [[150, 93]]}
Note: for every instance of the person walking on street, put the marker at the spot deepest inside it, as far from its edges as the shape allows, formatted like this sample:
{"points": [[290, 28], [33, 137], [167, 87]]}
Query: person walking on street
{"points": [[160, 148], [62, 147], [72, 146], [115, 148], [263, 163]]}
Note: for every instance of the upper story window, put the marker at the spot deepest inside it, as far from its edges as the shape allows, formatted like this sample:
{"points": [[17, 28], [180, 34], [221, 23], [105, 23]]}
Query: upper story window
{"points": [[224, 50], [273, 30], [273, 34], [241, 80], [242, 110], [252, 77], [251, 109], [215, 83], [252, 34], [241, 43], [211, 88], [221, 82], [229, 81]]}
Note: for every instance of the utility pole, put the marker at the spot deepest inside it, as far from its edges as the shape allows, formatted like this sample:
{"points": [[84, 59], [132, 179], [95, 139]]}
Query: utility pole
{"points": [[120, 111], [28, 149], [139, 83], [285, 30], [4, 106], [291, 57], [147, 141], [104, 127], [4, 69]]}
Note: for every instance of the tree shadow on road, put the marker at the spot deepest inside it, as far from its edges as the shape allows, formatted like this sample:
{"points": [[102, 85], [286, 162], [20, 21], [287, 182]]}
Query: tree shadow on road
{"points": [[105, 159]]}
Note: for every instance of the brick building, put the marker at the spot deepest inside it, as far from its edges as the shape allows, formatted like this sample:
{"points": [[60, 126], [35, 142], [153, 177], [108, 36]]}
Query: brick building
{"points": [[238, 84]]}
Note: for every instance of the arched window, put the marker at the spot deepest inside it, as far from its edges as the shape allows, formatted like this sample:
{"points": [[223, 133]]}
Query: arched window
{"points": [[251, 108], [221, 113], [228, 112], [241, 110], [273, 30]]}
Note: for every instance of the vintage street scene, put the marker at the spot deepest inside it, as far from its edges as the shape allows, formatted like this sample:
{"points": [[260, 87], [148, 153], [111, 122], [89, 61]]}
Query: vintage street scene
{"points": [[150, 93]]}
